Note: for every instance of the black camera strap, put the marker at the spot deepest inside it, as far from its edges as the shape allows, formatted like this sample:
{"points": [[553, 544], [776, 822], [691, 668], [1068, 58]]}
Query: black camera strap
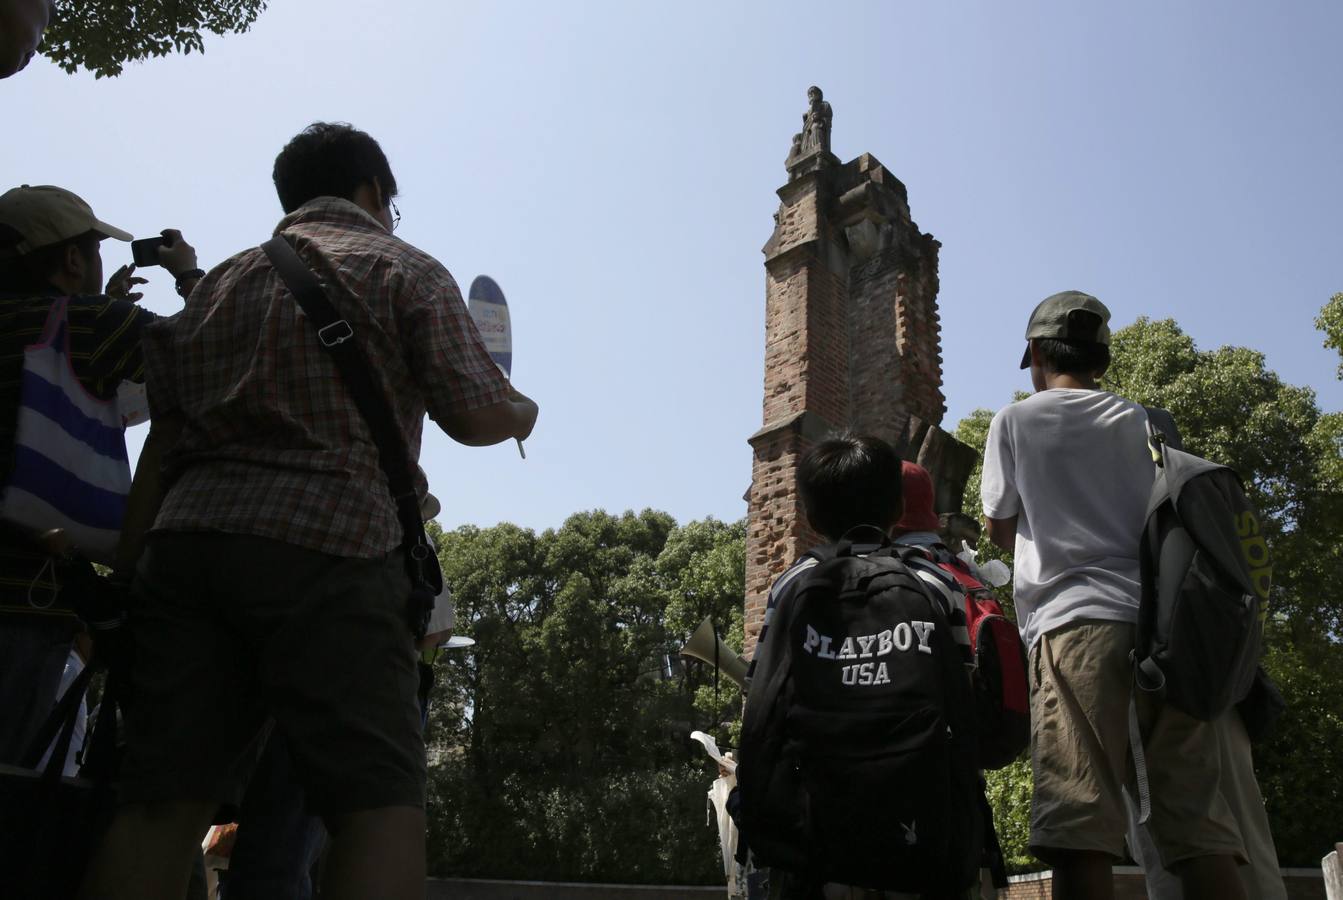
{"points": [[337, 337]]}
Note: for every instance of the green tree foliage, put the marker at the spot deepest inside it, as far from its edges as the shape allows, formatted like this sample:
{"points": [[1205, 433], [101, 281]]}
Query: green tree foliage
{"points": [[1300, 768], [104, 35], [1231, 408], [1009, 794], [1330, 321], [559, 748]]}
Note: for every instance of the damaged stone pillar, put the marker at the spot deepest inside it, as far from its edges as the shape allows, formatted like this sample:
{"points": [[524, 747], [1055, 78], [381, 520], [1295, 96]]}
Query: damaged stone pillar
{"points": [[852, 340]]}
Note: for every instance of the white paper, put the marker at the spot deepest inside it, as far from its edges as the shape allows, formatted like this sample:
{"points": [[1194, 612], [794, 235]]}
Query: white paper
{"points": [[711, 746]]}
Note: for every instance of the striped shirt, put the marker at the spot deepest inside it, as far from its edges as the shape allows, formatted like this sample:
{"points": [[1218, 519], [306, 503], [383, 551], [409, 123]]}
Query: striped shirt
{"points": [[942, 588], [105, 351], [273, 445]]}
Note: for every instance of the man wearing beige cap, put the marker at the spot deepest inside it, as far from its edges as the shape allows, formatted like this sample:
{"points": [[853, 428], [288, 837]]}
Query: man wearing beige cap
{"points": [[49, 249], [1065, 486]]}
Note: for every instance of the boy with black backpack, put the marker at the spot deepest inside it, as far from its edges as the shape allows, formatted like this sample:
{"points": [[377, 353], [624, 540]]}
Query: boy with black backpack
{"points": [[858, 759]]}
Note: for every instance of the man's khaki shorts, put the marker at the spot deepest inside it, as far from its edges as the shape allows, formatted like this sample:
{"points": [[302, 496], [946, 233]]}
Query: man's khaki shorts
{"points": [[232, 630], [1081, 684]]}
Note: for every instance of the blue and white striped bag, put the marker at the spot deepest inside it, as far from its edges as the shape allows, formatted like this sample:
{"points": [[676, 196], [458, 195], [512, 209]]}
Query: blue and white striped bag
{"points": [[70, 465]]}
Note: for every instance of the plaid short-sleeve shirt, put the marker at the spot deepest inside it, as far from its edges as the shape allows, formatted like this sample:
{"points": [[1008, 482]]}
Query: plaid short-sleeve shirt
{"points": [[273, 444]]}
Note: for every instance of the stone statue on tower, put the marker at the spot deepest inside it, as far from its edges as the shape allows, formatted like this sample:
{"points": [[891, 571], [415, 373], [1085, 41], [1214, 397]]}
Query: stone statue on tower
{"points": [[815, 134]]}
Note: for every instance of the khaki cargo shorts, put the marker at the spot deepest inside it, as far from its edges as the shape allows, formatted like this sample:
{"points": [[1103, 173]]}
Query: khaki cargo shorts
{"points": [[1081, 683]]}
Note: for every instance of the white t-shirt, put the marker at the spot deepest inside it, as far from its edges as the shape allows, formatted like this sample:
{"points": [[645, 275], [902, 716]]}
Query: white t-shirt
{"points": [[1073, 466]]}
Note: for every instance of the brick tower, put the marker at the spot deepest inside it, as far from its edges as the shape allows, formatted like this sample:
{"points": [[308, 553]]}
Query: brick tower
{"points": [[852, 339]]}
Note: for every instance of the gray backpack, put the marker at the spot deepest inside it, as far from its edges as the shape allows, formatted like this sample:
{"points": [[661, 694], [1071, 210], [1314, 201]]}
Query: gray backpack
{"points": [[1206, 573]]}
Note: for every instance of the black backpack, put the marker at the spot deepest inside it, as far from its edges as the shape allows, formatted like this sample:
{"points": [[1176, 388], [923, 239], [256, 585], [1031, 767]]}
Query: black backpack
{"points": [[1205, 573], [858, 749]]}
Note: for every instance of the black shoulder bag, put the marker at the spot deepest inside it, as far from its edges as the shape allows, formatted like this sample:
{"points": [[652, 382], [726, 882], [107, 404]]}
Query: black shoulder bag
{"points": [[337, 337]]}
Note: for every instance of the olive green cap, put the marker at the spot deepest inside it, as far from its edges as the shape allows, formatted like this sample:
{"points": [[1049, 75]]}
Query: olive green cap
{"points": [[44, 215], [1068, 316]]}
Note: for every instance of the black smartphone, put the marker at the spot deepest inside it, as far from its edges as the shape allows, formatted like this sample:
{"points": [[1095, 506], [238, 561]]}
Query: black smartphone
{"points": [[145, 251]]}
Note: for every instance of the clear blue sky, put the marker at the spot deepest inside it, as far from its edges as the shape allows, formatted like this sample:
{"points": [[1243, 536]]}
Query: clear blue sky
{"points": [[613, 166]]}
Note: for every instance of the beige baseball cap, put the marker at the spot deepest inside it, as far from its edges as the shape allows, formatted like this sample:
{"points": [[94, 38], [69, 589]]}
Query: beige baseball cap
{"points": [[44, 215]]}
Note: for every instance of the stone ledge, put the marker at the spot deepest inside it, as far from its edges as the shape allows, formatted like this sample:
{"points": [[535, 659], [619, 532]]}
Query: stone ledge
{"points": [[792, 255], [806, 423]]}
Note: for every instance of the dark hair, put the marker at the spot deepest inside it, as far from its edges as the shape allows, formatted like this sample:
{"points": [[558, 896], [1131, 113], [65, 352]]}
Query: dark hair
{"points": [[33, 271], [1074, 357], [850, 480], [329, 159]]}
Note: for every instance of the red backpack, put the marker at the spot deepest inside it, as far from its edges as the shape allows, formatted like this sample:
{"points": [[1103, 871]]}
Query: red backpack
{"points": [[1002, 692]]}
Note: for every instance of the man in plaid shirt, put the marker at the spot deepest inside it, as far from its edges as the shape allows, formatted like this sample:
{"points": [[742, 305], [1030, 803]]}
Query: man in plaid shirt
{"points": [[272, 583]]}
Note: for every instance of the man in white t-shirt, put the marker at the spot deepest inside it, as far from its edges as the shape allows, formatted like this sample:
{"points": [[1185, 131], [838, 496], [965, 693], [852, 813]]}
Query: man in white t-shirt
{"points": [[1066, 480]]}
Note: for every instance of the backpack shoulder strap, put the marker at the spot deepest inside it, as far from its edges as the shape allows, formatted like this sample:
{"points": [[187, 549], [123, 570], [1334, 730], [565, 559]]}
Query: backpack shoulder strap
{"points": [[944, 592], [820, 553], [805, 562], [848, 541], [1156, 438], [337, 337], [773, 653], [942, 583], [341, 344], [1161, 422], [782, 588]]}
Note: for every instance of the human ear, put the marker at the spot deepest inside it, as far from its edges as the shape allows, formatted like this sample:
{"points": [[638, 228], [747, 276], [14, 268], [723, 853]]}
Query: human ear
{"points": [[73, 263]]}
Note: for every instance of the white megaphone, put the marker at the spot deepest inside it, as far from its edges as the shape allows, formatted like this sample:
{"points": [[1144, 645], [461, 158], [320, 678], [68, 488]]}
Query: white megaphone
{"points": [[705, 645]]}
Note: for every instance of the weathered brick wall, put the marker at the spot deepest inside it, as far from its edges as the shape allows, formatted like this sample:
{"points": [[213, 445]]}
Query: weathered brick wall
{"points": [[776, 530], [806, 325], [1127, 886], [894, 328], [895, 338], [852, 339], [878, 392], [806, 382], [826, 363], [920, 328]]}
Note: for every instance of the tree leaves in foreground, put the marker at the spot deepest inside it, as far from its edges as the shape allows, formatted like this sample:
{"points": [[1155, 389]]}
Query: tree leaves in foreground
{"points": [[559, 745], [1330, 321], [1232, 409], [103, 35]]}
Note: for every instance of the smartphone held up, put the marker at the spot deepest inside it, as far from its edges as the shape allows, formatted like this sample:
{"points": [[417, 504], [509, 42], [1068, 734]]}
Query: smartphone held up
{"points": [[145, 252]]}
